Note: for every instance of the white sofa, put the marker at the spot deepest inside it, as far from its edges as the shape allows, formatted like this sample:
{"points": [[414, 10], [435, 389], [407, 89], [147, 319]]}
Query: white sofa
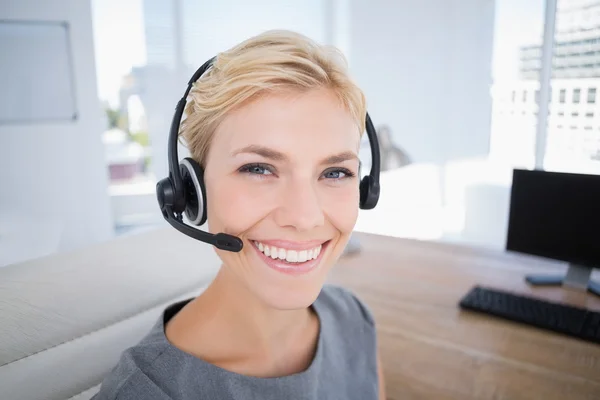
{"points": [[66, 318]]}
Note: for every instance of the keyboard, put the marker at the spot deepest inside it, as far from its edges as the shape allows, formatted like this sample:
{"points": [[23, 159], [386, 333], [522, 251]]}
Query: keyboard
{"points": [[568, 320]]}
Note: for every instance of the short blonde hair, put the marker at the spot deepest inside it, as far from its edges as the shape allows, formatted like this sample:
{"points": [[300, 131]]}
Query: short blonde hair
{"points": [[275, 60]]}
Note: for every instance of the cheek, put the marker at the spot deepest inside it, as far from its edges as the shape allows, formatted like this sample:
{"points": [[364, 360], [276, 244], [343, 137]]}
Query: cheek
{"points": [[341, 208], [232, 208]]}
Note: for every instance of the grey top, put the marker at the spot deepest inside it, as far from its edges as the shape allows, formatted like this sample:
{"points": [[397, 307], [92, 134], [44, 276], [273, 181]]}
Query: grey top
{"points": [[344, 365]]}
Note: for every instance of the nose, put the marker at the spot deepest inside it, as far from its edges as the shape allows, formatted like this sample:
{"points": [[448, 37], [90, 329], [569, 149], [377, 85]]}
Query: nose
{"points": [[300, 206]]}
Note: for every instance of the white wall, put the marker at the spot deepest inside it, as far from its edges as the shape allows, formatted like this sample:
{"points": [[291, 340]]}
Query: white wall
{"points": [[204, 34], [55, 172], [425, 67]]}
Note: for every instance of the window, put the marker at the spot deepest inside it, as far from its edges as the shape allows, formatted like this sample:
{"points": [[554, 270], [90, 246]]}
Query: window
{"points": [[574, 114], [563, 95], [524, 96], [591, 95], [561, 113], [589, 115], [514, 95], [537, 97], [576, 95]]}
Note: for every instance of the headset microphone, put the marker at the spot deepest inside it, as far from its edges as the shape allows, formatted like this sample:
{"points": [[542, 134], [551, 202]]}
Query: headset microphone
{"points": [[183, 191], [222, 241]]}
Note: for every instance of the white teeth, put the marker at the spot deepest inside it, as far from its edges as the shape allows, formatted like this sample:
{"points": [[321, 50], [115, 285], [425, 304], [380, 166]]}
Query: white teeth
{"points": [[302, 256], [292, 256]]}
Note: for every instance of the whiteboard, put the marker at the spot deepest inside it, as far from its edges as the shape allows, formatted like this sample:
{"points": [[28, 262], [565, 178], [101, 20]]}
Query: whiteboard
{"points": [[36, 72]]}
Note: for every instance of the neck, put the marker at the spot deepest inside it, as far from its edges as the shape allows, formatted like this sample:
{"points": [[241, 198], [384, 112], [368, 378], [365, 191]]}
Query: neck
{"points": [[246, 326], [261, 323]]}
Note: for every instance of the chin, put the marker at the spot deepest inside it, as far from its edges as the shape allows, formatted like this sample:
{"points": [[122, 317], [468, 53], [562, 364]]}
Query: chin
{"points": [[296, 299]]}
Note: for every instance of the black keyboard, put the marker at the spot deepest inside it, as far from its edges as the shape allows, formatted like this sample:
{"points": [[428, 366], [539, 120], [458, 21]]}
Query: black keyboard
{"points": [[572, 321]]}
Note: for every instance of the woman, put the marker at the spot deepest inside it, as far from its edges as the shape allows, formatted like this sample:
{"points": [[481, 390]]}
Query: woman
{"points": [[276, 124]]}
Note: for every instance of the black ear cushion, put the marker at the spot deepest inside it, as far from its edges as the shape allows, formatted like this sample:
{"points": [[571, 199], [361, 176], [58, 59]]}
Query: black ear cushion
{"points": [[364, 190], [369, 193], [195, 192]]}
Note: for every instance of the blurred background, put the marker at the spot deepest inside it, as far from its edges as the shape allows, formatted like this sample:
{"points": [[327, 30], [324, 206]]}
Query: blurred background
{"points": [[461, 92]]}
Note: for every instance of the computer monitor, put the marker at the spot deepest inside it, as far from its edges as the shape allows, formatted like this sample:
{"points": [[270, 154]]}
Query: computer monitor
{"points": [[557, 215]]}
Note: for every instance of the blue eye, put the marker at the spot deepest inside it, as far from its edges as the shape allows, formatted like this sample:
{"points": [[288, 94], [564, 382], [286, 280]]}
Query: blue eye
{"points": [[256, 169], [338, 174]]}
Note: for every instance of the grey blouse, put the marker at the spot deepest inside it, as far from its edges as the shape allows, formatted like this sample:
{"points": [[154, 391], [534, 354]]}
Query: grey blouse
{"points": [[344, 365]]}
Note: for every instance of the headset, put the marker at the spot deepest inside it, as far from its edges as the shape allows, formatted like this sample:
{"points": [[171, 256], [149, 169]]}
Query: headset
{"points": [[183, 191]]}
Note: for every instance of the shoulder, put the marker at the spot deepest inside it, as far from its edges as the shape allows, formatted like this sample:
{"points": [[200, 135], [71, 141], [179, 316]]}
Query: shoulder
{"points": [[136, 374], [342, 302], [128, 379]]}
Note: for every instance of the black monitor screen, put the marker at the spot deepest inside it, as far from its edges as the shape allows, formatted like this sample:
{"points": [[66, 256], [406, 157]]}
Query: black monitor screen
{"points": [[555, 215]]}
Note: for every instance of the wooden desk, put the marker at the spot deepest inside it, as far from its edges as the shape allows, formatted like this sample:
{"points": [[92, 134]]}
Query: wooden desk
{"points": [[432, 350]]}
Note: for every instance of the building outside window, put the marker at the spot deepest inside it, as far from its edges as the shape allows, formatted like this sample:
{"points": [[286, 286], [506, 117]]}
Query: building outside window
{"points": [[591, 95]]}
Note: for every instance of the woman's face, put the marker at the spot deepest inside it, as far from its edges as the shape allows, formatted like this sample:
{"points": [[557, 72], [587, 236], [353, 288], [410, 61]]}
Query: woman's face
{"points": [[282, 174]]}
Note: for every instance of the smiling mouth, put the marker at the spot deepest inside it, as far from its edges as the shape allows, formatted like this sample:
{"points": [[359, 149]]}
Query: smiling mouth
{"points": [[295, 262], [289, 255]]}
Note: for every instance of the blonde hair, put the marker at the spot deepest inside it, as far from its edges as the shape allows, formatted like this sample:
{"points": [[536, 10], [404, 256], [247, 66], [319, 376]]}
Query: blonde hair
{"points": [[272, 61]]}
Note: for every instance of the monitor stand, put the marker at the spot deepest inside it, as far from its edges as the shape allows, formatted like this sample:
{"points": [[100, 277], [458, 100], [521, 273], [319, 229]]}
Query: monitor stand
{"points": [[578, 276]]}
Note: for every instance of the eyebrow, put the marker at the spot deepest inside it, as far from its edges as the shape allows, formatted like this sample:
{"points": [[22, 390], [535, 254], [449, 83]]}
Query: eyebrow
{"points": [[275, 155]]}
